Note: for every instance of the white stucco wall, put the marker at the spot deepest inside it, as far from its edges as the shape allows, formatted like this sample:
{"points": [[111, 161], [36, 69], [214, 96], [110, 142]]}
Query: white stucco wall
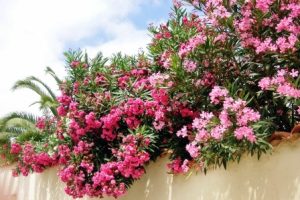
{"points": [[275, 176]]}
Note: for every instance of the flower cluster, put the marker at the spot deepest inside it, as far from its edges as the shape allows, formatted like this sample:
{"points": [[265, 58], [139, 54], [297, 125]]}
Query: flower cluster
{"points": [[233, 119], [282, 83], [284, 26], [32, 160], [86, 179], [195, 97]]}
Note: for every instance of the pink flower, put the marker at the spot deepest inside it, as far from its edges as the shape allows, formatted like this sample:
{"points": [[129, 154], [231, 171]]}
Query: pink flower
{"points": [[185, 168], [132, 122], [87, 166], [161, 96], [264, 83], [41, 123], [284, 24], [123, 81], [192, 149], [91, 121], [177, 166], [82, 148], [165, 59], [294, 73], [281, 83], [239, 133], [159, 125], [191, 45], [61, 111], [108, 134], [73, 106], [158, 79], [75, 64], [15, 148], [245, 132], [263, 5], [221, 37], [182, 132], [224, 119], [217, 132], [189, 66], [217, 94], [247, 115], [64, 100], [202, 135], [199, 123], [177, 3], [195, 2]]}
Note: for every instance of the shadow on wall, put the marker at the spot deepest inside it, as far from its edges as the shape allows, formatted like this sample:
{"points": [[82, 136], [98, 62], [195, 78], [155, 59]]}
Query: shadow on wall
{"points": [[45, 186], [8, 184], [274, 177]]}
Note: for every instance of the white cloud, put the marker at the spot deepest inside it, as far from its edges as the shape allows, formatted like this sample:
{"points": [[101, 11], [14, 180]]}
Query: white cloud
{"points": [[126, 39], [34, 34]]}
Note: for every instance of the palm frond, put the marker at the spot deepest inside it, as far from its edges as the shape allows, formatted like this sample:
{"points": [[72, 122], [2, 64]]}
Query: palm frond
{"points": [[48, 89], [16, 130], [29, 84], [19, 115], [15, 124], [53, 74], [19, 123]]}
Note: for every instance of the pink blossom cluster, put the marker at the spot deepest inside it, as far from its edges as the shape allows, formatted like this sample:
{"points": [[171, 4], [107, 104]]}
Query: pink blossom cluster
{"points": [[216, 11], [64, 154], [189, 65], [178, 166], [282, 83], [41, 123], [110, 123], [128, 162], [82, 148], [130, 159], [159, 80], [177, 3], [64, 101], [285, 25], [123, 81], [133, 110], [164, 34], [32, 160], [194, 22], [15, 148], [217, 94], [234, 118], [191, 44], [208, 80], [137, 78], [264, 5], [165, 59], [130, 111]]}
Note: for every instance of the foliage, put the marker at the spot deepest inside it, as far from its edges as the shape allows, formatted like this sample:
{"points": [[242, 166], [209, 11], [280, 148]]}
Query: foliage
{"points": [[213, 87], [25, 127]]}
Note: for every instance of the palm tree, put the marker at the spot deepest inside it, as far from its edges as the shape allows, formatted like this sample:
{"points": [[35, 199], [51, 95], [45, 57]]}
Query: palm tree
{"points": [[22, 124], [18, 123], [47, 99]]}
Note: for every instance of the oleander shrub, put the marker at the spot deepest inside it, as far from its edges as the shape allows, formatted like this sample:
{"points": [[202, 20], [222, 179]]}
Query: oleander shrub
{"points": [[218, 79]]}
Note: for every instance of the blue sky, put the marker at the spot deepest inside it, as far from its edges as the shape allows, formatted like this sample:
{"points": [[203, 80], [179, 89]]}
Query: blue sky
{"points": [[148, 12], [35, 33]]}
